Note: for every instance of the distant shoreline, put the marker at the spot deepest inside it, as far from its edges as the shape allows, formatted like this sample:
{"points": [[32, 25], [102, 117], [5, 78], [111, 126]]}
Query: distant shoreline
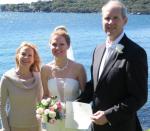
{"points": [[75, 6], [132, 13]]}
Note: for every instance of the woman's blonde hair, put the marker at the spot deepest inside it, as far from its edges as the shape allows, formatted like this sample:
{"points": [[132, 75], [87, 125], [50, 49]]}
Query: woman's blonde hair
{"points": [[36, 64]]}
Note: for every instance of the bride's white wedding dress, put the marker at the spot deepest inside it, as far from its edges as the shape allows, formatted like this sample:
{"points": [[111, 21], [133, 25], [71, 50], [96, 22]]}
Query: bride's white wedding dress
{"points": [[66, 89]]}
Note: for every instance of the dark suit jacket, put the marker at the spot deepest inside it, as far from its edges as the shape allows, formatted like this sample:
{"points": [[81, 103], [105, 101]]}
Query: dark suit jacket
{"points": [[122, 88]]}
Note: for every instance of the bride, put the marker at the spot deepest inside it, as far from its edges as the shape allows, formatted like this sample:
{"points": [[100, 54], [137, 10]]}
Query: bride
{"points": [[62, 77]]}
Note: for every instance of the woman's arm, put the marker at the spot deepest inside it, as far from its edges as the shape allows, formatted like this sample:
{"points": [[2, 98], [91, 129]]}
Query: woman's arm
{"points": [[40, 87], [4, 98], [44, 78], [82, 77]]}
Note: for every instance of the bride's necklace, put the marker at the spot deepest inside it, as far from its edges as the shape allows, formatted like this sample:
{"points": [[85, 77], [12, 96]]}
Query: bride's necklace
{"points": [[61, 68]]}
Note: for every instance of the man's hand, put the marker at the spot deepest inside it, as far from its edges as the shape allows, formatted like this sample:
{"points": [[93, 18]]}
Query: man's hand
{"points": [[99, 118]]}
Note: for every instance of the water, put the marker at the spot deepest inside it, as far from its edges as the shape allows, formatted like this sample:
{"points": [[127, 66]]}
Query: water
{"points": [[85, 31]]}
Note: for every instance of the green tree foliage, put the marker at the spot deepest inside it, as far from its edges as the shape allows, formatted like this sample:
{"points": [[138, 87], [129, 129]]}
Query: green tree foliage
{"points": [[81, 6]]}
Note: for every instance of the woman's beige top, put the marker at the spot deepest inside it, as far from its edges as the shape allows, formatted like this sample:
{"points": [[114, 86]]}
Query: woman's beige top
{"points": [[22, 96]]}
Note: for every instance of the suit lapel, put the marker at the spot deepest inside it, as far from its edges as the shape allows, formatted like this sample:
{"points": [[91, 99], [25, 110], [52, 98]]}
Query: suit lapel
{"points": [[97, 61], [109, 65]]}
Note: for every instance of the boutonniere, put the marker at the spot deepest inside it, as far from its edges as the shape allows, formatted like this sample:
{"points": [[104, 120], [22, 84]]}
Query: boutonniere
{"points": [[119, 48]]}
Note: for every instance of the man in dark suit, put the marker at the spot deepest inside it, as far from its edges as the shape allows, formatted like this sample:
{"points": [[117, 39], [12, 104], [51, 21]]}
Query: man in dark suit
{"points": [[119, 74]]}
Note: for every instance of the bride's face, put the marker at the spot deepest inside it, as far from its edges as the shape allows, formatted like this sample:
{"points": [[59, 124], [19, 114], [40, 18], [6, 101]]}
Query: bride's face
{"points": [[59, 46]]}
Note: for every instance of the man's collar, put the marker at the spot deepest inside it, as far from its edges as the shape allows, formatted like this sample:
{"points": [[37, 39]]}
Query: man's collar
{"points": [[113, 44]]}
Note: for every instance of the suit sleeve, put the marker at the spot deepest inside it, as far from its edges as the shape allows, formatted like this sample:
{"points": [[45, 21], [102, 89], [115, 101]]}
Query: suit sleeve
{"points": [[136, 83], [87, 95], [4, 96]]}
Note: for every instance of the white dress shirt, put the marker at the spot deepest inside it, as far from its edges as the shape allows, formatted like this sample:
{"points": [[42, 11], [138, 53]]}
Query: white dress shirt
{"points": [[108, 52]]}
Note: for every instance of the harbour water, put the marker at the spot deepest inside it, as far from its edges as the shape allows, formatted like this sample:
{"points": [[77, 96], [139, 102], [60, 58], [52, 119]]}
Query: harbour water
{"points": [[85, 31]]}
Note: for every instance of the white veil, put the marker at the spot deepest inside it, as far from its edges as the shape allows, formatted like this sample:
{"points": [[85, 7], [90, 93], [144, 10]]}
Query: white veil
{"points": [[70, 53]]}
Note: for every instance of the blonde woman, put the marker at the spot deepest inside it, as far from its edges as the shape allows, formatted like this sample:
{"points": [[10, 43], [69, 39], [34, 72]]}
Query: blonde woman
{"points": [[62, 77], [22, 87]]}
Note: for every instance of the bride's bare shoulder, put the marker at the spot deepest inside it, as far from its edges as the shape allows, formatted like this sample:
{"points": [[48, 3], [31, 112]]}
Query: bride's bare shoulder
{"points": [[76, 65], [47, 67]]}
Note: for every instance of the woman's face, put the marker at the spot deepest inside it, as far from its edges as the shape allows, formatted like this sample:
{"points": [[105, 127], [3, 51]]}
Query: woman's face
{"points": [[26, 57], [59, 46]]}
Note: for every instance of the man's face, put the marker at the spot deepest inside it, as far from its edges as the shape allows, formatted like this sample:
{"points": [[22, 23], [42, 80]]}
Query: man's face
{"points": [[113, 21]]}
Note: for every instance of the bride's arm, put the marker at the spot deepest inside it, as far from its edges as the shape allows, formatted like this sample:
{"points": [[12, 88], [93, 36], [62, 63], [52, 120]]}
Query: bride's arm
{"points": [[44, 78], [82, 77]]}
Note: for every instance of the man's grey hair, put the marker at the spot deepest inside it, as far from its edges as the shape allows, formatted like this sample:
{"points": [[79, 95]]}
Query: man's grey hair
{"points": [[119, 4]]}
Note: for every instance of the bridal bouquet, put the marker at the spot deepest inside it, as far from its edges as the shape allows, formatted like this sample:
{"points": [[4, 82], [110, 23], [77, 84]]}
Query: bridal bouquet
{"points": [[49, 110]]}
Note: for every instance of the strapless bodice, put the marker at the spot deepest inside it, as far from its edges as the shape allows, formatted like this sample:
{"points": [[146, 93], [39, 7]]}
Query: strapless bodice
{"points": [[66, 89]]}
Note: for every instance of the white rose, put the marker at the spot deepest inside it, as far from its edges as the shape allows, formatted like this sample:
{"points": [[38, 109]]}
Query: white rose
{"points": [[55, 106], [48, 100], [119, 48], [52, 114], [40, 110], [44, 102], [38, 116], [46, 111]]}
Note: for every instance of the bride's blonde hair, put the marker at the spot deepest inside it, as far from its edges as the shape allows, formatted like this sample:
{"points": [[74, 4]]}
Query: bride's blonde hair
{"points": [[62, 31]]}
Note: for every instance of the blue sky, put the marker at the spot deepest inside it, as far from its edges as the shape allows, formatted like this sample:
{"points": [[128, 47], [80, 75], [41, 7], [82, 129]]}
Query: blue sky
{"points": [[18, 1]]}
